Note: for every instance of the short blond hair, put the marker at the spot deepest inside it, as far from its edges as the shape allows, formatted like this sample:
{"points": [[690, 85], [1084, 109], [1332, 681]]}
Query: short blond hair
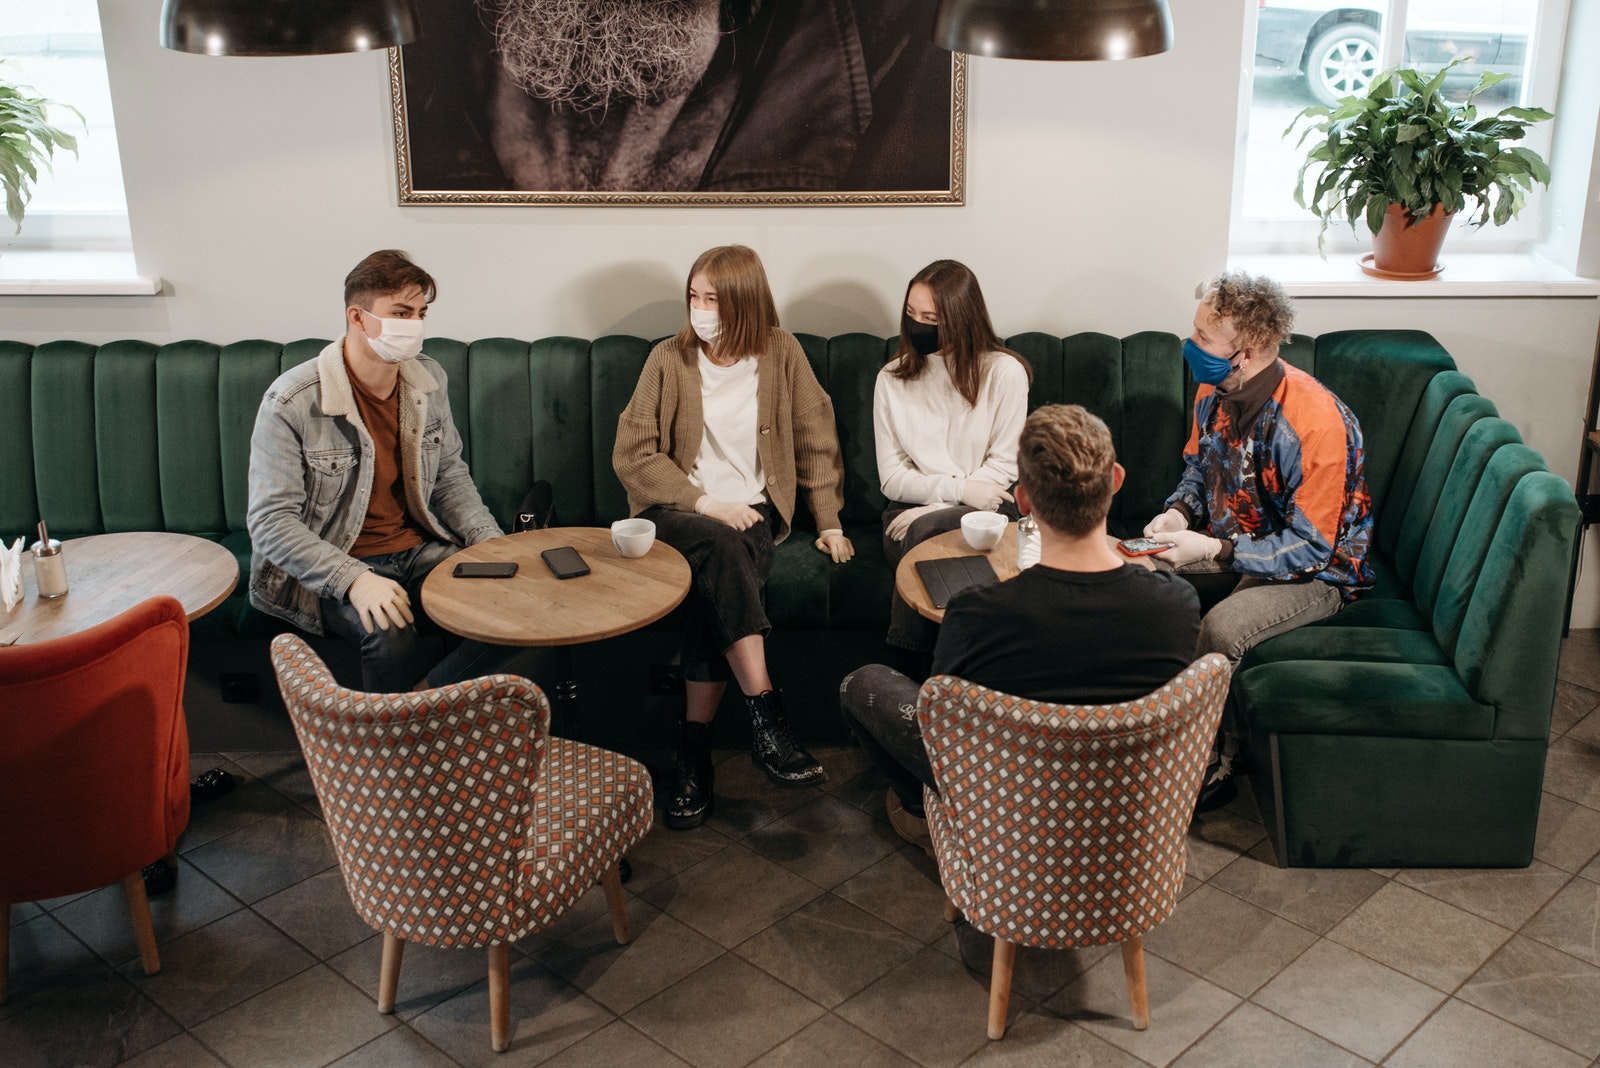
{"points": [[1261, 312], [1065, 460]]}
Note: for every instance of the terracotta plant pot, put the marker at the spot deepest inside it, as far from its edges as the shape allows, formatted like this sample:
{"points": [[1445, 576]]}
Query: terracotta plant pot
{"points": [[1404, 247]]}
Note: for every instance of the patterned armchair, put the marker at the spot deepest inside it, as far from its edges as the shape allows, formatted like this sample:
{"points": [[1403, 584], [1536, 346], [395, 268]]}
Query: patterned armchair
{"points": [[456, 819], [1064, 825]]}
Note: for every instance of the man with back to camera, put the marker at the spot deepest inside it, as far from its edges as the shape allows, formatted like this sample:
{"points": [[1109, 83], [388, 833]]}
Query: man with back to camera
{"points": [[357, 486], [1082, 626], [1273, 503]]}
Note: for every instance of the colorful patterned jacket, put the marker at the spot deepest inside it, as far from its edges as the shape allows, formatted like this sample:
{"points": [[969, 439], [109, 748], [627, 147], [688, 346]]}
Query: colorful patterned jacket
{"points": [[1289, 491]]}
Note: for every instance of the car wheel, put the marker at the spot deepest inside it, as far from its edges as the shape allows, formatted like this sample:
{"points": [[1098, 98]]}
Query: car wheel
{"points": [[1342, 62]]}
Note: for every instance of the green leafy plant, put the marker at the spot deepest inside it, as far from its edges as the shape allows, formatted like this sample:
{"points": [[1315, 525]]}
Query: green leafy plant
{"points": [[1403, 142], [27, 142]]}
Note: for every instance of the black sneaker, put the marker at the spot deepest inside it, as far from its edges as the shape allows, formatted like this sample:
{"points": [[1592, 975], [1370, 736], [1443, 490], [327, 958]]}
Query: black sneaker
{"points": [[1220, 786], [537, 510]]}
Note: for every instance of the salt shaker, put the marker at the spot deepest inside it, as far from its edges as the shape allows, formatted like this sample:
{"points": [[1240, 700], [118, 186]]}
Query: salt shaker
{"points": [[49, 565], [1027, 543]]}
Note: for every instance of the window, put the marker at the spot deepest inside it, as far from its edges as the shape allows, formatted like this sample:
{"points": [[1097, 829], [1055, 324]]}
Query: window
{"points": [[1315, 51], [56, 48]]}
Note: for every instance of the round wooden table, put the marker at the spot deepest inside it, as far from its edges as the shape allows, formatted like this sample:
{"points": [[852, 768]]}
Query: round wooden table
{"points": [[107, 574], [908, 584]]}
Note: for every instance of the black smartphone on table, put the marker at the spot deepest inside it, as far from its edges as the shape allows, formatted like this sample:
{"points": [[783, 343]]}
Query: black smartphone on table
{"points": [[564, 562], [493, 569]]}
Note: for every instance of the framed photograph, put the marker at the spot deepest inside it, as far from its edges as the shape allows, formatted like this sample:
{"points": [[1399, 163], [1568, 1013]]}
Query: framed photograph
{"points": [[786, 102]]}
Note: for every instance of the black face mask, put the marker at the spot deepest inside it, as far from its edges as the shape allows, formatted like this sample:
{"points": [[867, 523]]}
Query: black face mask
{"points": [[924, 337]]}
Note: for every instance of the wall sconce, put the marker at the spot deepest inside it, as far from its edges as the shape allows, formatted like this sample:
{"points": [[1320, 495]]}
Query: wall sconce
{"points": [[1054, 29], [286, 27]]}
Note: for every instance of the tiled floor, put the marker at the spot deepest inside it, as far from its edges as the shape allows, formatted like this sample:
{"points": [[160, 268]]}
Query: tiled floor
{"points": [[796, 929]]}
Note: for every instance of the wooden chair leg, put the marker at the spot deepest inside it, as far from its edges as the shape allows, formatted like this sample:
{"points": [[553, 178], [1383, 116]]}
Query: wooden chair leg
{"points": [[389, 975], [500, 996], [5, 951], [1005, 955], [612, 881], [144, 931], [1133, 968]]}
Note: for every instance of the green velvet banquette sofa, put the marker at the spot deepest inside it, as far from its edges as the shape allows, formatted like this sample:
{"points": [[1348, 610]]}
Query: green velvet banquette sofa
{"points": [[1408, 730]]}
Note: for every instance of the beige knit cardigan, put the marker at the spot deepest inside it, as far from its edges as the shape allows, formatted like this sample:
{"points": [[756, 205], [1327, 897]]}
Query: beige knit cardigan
{"points": [[660, 431]]}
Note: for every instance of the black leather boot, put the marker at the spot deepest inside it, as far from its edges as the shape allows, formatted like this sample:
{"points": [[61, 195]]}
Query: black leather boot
{"points": [[773, 748], [690, 802]]}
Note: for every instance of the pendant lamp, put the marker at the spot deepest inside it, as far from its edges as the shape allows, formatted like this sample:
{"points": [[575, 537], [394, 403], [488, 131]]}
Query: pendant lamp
{"points": [[1054, 29], [286, 27]]}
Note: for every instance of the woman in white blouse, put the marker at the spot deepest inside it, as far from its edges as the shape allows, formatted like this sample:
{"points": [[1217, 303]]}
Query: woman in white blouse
{"points": [[946, 415]]}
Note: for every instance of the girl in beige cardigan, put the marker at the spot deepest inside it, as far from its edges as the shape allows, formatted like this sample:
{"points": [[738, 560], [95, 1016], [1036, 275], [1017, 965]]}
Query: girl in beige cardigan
{"points": [[726, 424]]}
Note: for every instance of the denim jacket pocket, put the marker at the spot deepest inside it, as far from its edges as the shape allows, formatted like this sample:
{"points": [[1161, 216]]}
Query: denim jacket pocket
{"points": [[329, 475], [432, 449]]}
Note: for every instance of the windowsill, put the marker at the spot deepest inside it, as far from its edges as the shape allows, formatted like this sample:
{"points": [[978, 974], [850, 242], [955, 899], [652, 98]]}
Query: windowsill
{"points": [[42, 272], [1470, 274]]}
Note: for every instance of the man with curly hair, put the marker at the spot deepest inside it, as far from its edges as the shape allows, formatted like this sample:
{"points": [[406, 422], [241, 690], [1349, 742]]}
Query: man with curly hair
{"points": [[1272, 511]]}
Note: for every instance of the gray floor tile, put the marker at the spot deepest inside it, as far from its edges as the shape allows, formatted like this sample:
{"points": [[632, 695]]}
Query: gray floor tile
{"points": [[1216, 839], [842, 762], [311, 1018], [23, 911], [1349, 1000], [864, 791], [317, 913], [45, 957], [618, 1043], [1182, 1007], [284, 771], [831, 1041], [398, 1048], [1543, 990], [746, 799], [1315, 898], [1571, 922], [1572, 768], [724, 1015], [179, 1052], [930, 1008], [251, 800], [1231, 942], [902, 889], [732, 895], [1420, 936], [1252, 1037], [1569, 834], [95, 1018], [1573, 702], [663, 951], [1041, 1039], [101, 918], [1459, 1034], [268, 855], [429, 975], [547, 1016], [826, 841], [1580, 657], [1506, 896], [665, 852], [1592, 872], [1036, 974], [828, 949], [220, 965]]}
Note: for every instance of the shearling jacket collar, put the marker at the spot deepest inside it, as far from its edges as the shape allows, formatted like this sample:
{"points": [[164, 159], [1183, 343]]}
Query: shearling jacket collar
{"points": [[333, 378]]}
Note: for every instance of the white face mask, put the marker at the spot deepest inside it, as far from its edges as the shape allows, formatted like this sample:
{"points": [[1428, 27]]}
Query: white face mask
{"points": [[706, 324], [400, 340]]}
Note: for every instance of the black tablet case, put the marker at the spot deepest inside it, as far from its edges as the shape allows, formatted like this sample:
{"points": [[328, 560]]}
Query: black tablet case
{"points": [[948, 576]]}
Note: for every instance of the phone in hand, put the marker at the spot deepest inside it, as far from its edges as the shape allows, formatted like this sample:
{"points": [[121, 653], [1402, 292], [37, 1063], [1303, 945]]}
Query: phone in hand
{"points": [[564, 562], [1142, 546], [491, 569]]}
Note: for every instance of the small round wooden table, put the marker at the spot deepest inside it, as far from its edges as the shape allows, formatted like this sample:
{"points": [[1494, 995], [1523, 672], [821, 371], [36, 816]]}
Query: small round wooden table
{"points": [[908, 584], [107, 574]]}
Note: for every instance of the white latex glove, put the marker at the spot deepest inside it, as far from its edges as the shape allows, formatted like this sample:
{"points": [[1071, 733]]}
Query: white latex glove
{"points": [[1165, 523], [836, 545], [380, 601], [1188, 547], [900, 524], [983, 495], [736, 515]]}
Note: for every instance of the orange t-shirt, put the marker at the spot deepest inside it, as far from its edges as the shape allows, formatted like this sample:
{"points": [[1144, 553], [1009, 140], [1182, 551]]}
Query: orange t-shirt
{"points": [[387, 527]]}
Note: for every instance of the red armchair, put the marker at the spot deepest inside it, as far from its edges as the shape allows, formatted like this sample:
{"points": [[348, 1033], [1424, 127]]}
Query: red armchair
{"points": [[94, 763]]}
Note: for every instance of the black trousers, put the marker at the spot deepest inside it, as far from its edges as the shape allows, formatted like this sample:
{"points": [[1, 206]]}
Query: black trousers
{"points": [[880, 706], [727, 568]]}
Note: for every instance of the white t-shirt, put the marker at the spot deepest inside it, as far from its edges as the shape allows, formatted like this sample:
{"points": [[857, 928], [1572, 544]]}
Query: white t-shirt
{"points": [[728, 466], [929, 440]]}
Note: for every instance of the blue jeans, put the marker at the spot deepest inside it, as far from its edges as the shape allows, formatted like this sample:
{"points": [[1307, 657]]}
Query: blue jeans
{"points": [[392, 661]]}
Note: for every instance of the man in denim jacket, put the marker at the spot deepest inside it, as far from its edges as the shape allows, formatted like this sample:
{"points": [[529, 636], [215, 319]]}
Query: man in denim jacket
{"points": [[357, 486]]}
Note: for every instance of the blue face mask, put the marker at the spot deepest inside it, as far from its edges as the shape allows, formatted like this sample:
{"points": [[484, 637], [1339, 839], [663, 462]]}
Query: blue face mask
{"points": [[1208, 369]]}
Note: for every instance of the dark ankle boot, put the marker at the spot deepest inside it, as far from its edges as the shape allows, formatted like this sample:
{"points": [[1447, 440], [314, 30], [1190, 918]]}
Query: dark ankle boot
{"points": [[773, 748], [690, 802]]}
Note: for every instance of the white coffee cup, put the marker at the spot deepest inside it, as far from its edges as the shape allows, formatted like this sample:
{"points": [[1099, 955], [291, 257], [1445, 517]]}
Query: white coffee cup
{"points": [[983, 529], [633, 537]]}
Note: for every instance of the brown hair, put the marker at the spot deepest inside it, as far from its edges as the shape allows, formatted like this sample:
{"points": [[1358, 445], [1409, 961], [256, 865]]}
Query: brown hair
{"points": [[1261, 311], [1064, 461], [385, 271], [965, 333], [745, 309]]}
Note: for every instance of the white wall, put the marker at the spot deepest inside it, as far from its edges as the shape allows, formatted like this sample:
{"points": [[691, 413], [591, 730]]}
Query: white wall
{"points": [[1097, 200]]}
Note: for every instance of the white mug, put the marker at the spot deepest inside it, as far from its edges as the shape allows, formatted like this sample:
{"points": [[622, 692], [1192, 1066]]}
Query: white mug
{"points": [[982, 530], [633, 537]]}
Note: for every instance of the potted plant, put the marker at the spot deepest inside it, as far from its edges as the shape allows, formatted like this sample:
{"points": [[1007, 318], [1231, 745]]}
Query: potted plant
{"points": [[27, 140], [1406, 159]]}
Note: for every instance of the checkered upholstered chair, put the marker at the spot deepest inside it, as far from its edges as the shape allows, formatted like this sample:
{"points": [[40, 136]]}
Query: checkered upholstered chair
{"points": [[456, 818], [1064, 825]]}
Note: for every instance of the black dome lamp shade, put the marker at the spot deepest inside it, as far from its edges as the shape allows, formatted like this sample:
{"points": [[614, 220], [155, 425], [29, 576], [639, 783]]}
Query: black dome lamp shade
{"points": [[1054, 29], [286, 27]]}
